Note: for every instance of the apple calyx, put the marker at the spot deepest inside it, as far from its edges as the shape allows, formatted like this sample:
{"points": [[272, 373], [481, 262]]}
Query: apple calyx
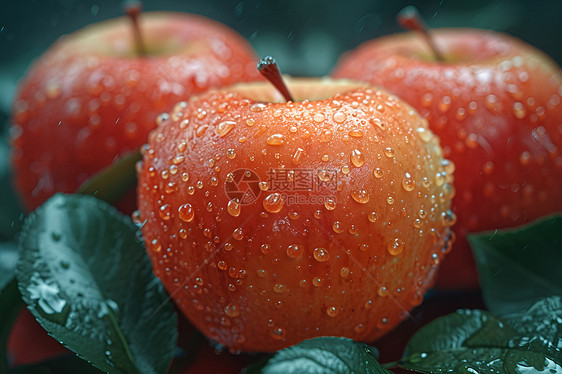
{"points": [[410, 18], [133, 9], [267, 67]]}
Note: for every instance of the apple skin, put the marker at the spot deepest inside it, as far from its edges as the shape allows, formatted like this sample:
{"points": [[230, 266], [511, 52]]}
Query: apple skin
{"points": [[496, 108], [90, 98]]}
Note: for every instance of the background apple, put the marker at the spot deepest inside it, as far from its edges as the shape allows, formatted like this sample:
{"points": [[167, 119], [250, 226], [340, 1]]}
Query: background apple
{"points": [[92, 97], [495, 104]]}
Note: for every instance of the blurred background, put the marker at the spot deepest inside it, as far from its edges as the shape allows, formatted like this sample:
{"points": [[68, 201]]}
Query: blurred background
{"points": [[305, 36]]}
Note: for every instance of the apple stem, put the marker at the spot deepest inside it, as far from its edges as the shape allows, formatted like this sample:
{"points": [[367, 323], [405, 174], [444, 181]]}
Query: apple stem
{"points": [[269, 69], [133, 9], [411, 19]]}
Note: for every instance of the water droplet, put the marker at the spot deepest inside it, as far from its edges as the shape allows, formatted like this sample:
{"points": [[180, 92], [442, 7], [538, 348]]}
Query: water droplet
{"points": [[297, 155], [275, 139], [356, 133], [318, 117], [448, 218], [258, 107], [525, 158], [278, 333], [378, 173], [360, 195], [155, 245], [519, 110], [357, 158], [225, 127], [265, 248], [321, 254], [230, 153], [295, 251], [372, 217], [445, 104], [338, 227], [280, 288], [232, 310], [233, 208], [344, 272], [408, 182], [238, 234], [332, 311], [345, 169], [389, 152], [186, 212], [395, 247], [339, 117], [330, 203], [273, 203], [424, 134]]}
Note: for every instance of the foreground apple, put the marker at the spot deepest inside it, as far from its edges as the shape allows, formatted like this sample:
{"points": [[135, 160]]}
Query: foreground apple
{"points": [[495, 104], [96, 93], [270, 222]]}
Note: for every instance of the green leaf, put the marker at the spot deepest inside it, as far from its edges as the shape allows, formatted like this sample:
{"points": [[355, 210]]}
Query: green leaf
{"points": [[85, 276], [323, 355], [57, 365], [519, 266], [114, 181], [10, 305], [10, 210], [470, 341]]}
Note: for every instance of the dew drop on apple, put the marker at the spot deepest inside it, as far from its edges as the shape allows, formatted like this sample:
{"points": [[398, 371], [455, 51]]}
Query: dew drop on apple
{"points": [[408, 182], [233, 208], [332, 311], [519, 110], [278, 333], [225, 127], [238, 234], [339, 117], [338, 228], [360, 195], [275, 139], [298, 155], [321, 254], [389, 152], [395, 247], [372, 217], [318, 118], [273, 203], [426, 100], [258, 107], [357, 158], [295, 251], [378, 173], [344, 272], [444, 104], [330, 203], [448, 218], [186, 212], [165, 212], [423, 134], [232, 310]]}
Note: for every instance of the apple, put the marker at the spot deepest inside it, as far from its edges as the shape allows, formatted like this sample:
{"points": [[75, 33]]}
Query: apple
{"points": [[270, 222], [96, 93], [494, 102]]}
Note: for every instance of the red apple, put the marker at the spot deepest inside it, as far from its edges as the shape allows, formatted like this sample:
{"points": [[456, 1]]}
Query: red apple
{"points": [[270, 222], [96, 93], [495, 103]]}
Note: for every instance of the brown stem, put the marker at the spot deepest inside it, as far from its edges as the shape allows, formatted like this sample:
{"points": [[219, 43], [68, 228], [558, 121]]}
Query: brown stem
{"points": [[133, 9], [411, 19], [269, 69]]}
